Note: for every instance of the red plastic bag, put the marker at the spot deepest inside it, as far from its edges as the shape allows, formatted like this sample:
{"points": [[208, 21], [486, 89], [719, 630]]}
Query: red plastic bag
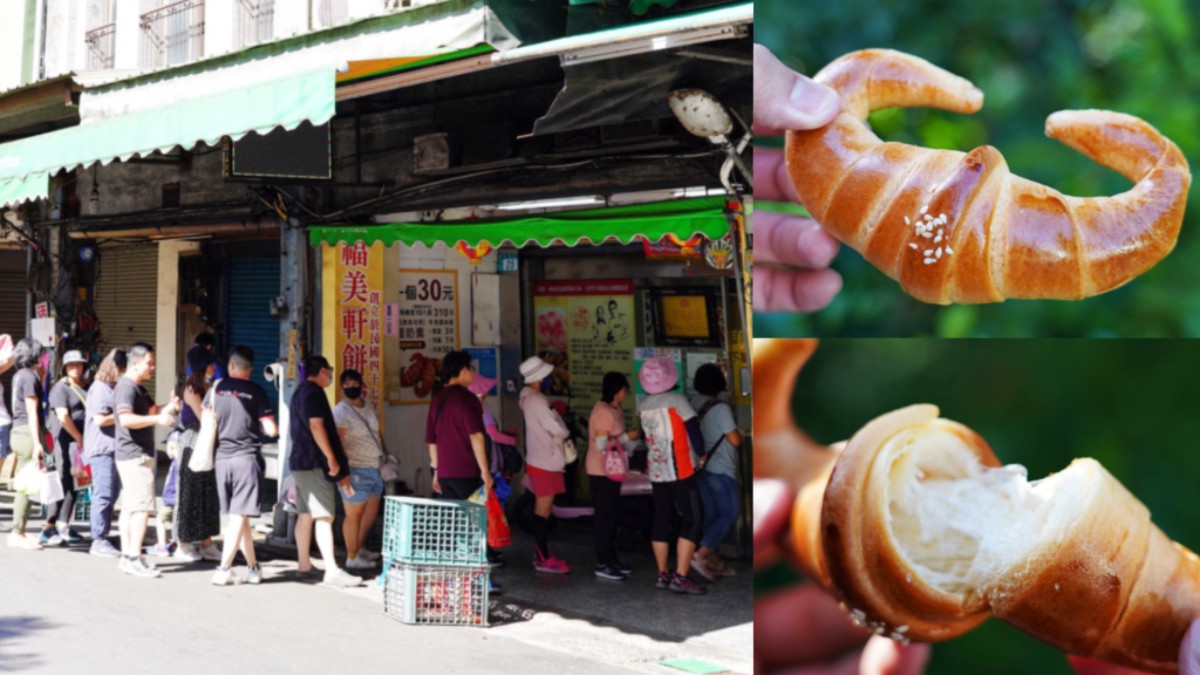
{"points": [[498, 533]]}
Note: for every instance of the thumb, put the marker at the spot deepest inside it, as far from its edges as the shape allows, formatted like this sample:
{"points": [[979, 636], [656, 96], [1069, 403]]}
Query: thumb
{"points": [[785, 99]]}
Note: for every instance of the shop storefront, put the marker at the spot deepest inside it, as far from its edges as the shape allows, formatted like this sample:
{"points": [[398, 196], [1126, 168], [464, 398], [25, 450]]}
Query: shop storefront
{"points": [[589, 291]]}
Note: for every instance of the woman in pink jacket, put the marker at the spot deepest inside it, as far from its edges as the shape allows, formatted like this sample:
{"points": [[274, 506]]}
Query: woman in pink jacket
{"points": [[545, 458]]}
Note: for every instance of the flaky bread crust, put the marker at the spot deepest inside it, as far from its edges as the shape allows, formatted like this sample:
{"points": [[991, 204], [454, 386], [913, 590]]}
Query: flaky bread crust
{"points": [[1104, 583], [1001, 236]]}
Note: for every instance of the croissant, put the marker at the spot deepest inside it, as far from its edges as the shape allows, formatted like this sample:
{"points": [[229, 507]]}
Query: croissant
{"points": [[955, 227]]}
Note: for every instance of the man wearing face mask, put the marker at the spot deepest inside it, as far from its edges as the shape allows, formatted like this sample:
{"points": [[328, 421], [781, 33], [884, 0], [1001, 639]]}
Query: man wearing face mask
{"points": [[545, 458], [358, 427]]}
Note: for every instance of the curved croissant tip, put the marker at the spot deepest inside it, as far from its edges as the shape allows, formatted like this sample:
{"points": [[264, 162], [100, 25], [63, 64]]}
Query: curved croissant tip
{"points": [[1065, 119]]}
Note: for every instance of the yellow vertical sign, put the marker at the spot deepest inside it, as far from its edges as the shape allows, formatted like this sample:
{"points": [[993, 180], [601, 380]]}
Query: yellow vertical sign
{"points": [[352, 315]]}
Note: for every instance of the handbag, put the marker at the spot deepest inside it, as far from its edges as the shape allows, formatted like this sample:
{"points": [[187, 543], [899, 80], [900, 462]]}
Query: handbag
{"points": [[510, 458], [204, 450], [43, 487], [389, 466], [569, 451], [616, 461]]}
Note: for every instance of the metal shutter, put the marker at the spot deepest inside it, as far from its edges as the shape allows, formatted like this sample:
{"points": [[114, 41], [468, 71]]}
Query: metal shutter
{"points": [[126, 301], [12, 303], [252, 284]]}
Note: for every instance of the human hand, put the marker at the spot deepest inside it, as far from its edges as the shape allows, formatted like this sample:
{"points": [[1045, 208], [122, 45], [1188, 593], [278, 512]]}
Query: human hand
{"points": [[437, 487], [792, 254], [165, 418], [488, 482], [334, 467], [831, 643]]}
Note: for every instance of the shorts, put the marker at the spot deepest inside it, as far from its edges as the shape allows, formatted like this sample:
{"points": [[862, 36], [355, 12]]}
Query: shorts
{"points": [[314, 494], [546, 483], [366, 482], [237, 485], [137, 485]]}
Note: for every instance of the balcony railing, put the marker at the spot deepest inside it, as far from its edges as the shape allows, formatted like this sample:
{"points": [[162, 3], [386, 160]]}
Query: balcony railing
{"points": [[255, 22], [101, 45], [326, 13], [173, 34]]}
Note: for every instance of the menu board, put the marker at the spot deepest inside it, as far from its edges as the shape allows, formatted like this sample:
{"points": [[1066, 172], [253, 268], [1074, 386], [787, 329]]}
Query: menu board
{"points": [[427, 328], [585, 329]]}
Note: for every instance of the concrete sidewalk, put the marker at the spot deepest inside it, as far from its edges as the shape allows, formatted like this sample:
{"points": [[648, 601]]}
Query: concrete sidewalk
{"points": [[64, 609]]}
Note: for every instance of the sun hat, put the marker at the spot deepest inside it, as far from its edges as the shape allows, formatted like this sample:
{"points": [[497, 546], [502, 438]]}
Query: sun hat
{"points": [[658, 374], [534, 369], [73, 356]]}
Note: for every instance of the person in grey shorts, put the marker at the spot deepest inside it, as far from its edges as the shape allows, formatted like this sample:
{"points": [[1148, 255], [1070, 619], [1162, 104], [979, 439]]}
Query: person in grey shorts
{"points": [[241, 408], [317, 462]]}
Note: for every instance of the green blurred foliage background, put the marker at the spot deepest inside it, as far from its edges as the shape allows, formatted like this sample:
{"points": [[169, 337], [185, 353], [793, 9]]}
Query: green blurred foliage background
{"points": [[1039, 403], [1030, 58]]}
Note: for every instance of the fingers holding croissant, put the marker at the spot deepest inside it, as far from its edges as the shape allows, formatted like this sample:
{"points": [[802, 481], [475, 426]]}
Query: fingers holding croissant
{"points": [[960, 227]]}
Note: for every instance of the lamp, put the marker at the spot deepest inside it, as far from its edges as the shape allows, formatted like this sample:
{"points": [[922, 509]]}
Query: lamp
{"points": [[703, 115]]}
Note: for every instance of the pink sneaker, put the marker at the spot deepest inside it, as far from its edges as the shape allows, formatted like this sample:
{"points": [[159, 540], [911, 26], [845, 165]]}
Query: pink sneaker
{"points": [[550, 564]]}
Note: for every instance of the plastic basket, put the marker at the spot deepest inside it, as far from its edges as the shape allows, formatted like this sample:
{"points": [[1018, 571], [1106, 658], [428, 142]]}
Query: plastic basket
{"points": [[434, 532], [445, 595], [83, 506]]}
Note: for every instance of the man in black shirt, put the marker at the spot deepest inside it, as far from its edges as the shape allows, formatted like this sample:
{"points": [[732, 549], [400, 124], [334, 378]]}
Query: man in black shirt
{"points": [[136, 417], [317, 461], [241, 407]]}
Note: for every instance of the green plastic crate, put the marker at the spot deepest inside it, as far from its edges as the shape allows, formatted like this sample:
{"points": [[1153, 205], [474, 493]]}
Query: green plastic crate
{"points": [[434, 532], [444, 595], [83, 506]]}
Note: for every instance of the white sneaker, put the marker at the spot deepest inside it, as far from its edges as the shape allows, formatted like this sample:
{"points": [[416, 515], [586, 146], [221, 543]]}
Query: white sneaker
{"points": [[254, 575], [187, 553], [340, 579], [211, 552], [23, 541], [225, 577], [359, 563], [369, 555], [138, 568]]}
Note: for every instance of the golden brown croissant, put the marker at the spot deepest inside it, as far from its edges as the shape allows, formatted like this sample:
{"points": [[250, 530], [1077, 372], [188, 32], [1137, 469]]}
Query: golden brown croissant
{"points": [[922, 534], [955, 227]]}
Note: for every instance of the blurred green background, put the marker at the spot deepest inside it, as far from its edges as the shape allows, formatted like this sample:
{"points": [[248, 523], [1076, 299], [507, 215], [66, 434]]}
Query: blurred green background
{"points": [[1030, 58], [1039, 403]]}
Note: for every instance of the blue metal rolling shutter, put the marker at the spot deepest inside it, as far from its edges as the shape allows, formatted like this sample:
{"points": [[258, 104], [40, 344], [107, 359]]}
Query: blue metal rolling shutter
{"points": [[252, 284]]}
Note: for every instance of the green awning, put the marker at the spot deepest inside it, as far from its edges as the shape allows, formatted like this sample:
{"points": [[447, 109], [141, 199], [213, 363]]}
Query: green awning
{"points": [[624, 224], [24, 189], [284, 102]]}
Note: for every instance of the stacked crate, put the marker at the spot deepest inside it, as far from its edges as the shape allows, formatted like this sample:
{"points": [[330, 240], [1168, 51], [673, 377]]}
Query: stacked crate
{"points": [[83, 506], [436, 561]]}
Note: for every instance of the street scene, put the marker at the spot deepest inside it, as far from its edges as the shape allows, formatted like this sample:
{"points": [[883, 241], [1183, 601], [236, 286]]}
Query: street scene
{"points": [[375, 335]]}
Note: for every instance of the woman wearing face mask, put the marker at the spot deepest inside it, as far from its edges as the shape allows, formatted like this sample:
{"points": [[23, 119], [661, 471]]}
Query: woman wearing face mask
{"points": [[545, 458], [358, 427], [68, 410], [607, 423], [28, 429], [198, 512]]}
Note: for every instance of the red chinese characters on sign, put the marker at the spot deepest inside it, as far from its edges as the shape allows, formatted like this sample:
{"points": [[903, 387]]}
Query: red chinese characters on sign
{"points": [[360, 309], [354, 286], [354, 323], [354, 256]]}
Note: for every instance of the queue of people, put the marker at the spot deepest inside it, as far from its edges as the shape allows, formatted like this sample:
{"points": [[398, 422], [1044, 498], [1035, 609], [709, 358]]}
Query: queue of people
{"points": [[338, 452]]}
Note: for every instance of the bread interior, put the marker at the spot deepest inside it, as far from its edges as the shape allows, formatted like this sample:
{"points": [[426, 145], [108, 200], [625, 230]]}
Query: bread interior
{"points": [[959, 524]]}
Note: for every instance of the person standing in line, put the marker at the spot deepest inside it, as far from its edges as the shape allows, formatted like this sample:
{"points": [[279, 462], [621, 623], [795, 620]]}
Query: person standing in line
{"points": [[317, 462], [545, 458], [6, 362], [68, 410], [606, 425], [99, 445], [137, 415], [672, 436], [358, 428], [480, 386], [28, 429], [454, 432], [198, 508], [241, 407], [717, 481], [204, 348]]}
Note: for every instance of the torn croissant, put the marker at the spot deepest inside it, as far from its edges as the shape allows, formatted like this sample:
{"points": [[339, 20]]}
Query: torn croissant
{"points": [[960, 227], [922, 533]]}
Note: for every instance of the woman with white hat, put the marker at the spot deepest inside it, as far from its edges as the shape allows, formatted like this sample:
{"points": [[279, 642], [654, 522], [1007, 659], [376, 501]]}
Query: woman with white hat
{"points": [[672, 433], [68, 411], [545, 458]]}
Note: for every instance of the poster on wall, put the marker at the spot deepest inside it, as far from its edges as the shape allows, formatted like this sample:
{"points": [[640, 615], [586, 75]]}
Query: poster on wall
{"points": [[643, 354], [694, 361], [487, 363], [585, 329], [355, 273], [427, 329]]}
